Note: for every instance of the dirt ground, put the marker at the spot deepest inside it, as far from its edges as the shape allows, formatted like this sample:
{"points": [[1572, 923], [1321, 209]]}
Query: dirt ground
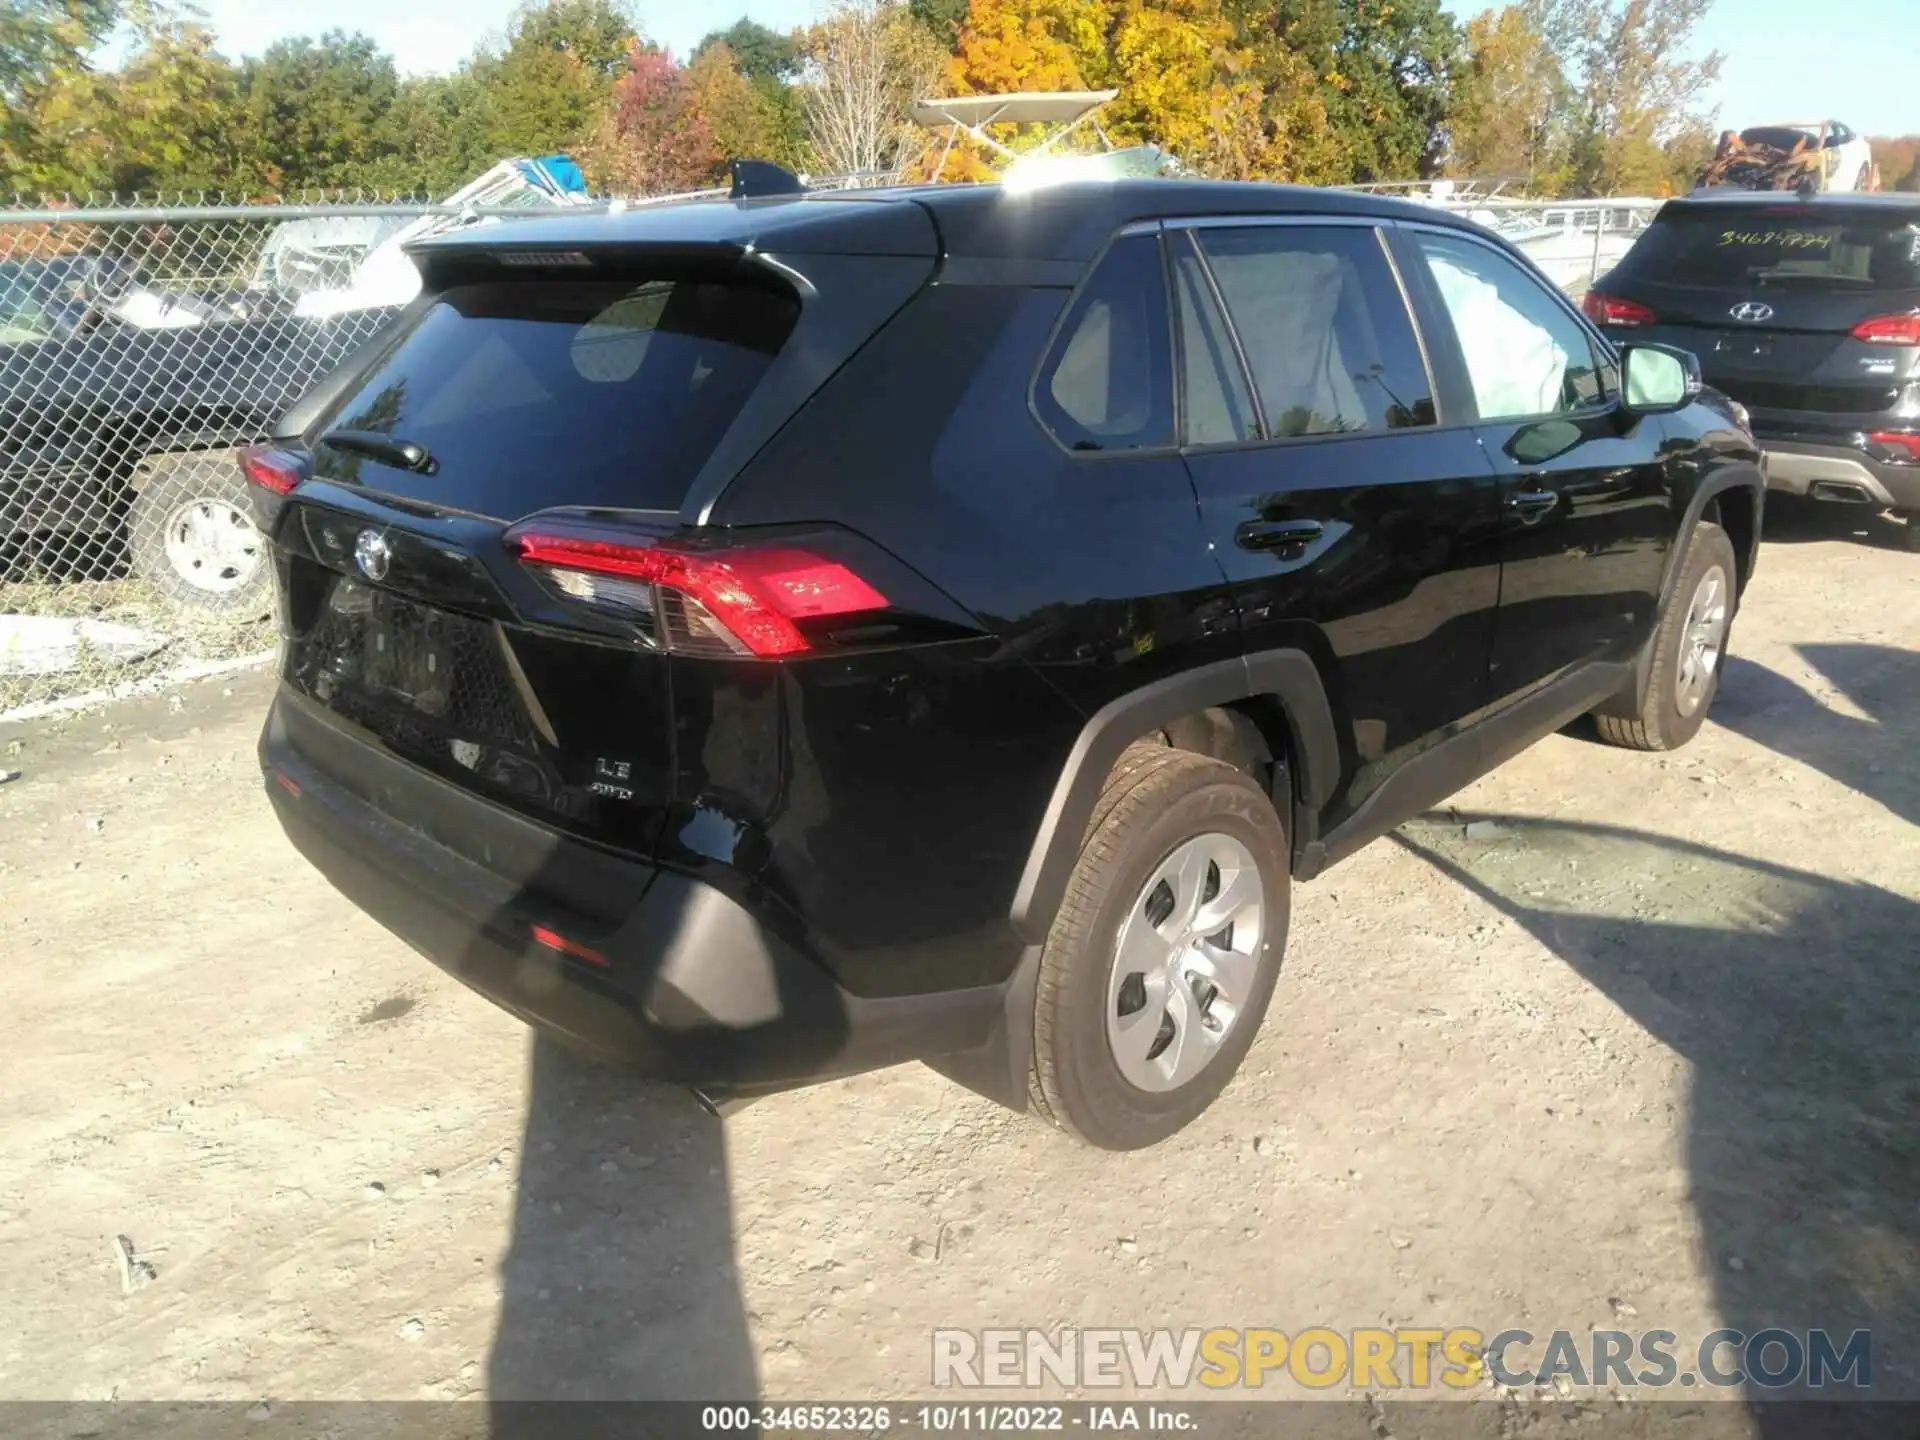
{"points": [[1641, 1053]]}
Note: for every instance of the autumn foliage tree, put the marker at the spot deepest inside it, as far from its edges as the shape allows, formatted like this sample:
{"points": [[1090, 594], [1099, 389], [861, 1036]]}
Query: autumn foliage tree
{"points": [[655, 141], [1899, 161], [1574, 95], [1509, 96]]}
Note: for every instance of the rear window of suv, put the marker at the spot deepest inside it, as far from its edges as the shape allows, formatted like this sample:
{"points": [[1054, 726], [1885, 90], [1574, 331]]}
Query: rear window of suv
{"points": [[1744, 246], [528, 394]]}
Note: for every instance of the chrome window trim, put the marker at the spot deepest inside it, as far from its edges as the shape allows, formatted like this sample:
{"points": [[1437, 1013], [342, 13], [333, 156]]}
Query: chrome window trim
{"points": [[1233, 339]]}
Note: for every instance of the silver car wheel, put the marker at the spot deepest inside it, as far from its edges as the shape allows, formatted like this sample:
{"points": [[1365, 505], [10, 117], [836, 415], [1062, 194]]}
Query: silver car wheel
{"points": [[212, 545], [1185, 962], [1703, 638]]}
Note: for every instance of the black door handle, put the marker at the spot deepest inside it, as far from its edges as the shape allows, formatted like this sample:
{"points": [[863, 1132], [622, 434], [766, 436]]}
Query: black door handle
{"points": [[1532, 504], [1277, 534]]}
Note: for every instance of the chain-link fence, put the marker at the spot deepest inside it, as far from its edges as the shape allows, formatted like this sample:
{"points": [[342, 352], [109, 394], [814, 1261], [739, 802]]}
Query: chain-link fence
{"points": [[140, 347]]}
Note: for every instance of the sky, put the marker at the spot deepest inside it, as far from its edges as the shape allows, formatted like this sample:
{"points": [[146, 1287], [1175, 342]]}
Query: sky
{"points": [[1779, 65]]}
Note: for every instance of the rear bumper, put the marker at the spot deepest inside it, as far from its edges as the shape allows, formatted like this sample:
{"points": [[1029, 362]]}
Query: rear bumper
{"points": [[1829, 471], [669, 977]]}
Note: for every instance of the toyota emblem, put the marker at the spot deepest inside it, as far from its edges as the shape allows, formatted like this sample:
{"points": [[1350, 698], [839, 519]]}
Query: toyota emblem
{"points": [[372, 554], [1751, 311]]}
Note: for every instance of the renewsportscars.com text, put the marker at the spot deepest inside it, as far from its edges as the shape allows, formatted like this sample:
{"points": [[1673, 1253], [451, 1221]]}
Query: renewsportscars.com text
{"points": [[1401, 1359]]}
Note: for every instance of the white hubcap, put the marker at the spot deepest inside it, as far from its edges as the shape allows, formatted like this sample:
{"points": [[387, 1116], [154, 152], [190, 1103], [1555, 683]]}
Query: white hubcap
{"points": [[1185, 962], [212, 545]]}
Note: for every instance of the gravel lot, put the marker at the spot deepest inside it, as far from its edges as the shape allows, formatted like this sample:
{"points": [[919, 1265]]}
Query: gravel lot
{"points": [[1639, 1052]]}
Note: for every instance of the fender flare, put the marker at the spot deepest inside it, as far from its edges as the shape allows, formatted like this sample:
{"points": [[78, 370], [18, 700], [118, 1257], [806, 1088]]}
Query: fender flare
{"points": [[1745, 476], [1290, 676]]}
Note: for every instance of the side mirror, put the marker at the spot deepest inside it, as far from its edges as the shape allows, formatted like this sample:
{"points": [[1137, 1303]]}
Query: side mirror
{"points": [[1658, 378]]}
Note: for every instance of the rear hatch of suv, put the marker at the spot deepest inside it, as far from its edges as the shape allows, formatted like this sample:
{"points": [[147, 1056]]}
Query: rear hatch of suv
{"points": [[1807, 311], [488, 546]]}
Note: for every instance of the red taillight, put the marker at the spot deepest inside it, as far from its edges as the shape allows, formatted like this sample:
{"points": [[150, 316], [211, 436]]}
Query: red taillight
{"points": [[271, 469], [1889, 330], [554, 940], [1901, 448], [1612, 310], [704, 602]]}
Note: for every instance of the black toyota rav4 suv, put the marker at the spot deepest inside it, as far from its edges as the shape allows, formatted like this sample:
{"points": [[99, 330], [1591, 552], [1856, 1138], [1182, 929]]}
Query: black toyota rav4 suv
{"points": [[1807, 311], [756, 641]]}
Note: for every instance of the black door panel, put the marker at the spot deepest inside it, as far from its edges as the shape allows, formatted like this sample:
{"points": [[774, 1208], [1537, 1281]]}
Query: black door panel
{"points": [[1586, 534], [1358, 529], [1386, 557], [1586, 511]]}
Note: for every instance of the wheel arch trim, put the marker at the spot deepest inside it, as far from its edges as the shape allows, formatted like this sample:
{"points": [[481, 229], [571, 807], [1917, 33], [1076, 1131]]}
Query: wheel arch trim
{"points": [[1290, 676], [1740, 477]]}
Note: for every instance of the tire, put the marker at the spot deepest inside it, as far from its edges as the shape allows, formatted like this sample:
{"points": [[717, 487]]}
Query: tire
{"points": [[1910, 531], [1159, 807], [192, 538], [1677, 700]]}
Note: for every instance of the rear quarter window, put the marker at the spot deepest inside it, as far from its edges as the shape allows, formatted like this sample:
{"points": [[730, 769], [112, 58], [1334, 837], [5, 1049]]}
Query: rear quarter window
{"points": [[1107, 383], [529, 394]]}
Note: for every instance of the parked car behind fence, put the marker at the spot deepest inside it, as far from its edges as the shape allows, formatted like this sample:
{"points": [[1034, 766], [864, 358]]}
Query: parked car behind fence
{"points": [[139, 348]]}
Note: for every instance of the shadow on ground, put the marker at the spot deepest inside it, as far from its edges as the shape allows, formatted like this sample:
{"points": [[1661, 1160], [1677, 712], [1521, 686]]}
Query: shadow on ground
{"points": [[1873, 755], [619, 1283], [1795, 999]]}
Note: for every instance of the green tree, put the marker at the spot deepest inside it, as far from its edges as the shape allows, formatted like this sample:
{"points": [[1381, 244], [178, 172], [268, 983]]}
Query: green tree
{"points": [[44, 46], [315, 113], [748, 119], [1509, 94], [433, 139], [943, 19], [552, 86], [170, 113], [761, 55], [40, 39], [165, 121], [1636, 86], [1381, 72]]}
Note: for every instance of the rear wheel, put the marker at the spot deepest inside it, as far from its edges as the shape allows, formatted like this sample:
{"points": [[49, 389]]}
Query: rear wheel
{"points": [[1160, 964], [193, 538], [1688, 648]]}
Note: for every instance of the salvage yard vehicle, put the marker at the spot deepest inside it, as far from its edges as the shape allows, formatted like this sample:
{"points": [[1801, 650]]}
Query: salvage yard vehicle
{"points": [[760, 640], [1797, 155], [1807, 312], [121, 408]]}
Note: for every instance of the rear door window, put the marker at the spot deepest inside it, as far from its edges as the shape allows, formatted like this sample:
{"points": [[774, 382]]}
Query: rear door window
{"points": [[1219, 408], [1325, 330], [1107, 383], [1747, 246], [533, 394]]}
